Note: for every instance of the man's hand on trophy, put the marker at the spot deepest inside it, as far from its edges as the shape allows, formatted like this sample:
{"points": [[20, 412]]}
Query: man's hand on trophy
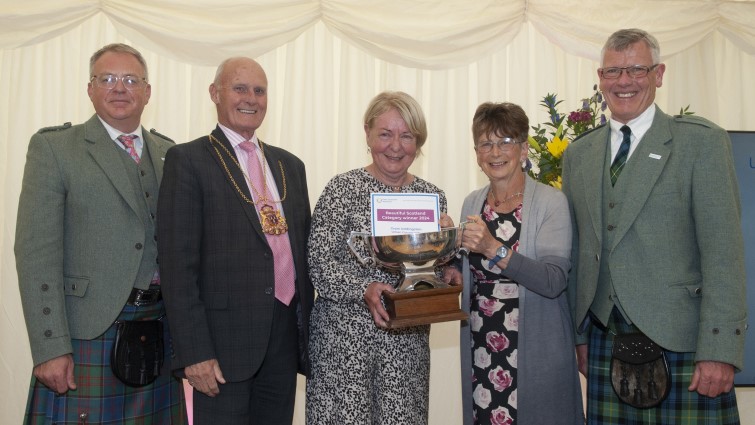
{"points": [[373, 296]]}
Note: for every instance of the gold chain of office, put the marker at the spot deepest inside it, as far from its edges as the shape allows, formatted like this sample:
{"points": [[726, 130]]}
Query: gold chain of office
{"points": [[273, 223]]}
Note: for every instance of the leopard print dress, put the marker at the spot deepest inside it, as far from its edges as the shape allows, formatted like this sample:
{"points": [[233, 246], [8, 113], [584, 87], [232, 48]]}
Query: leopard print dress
{"points": [[361, 374]]}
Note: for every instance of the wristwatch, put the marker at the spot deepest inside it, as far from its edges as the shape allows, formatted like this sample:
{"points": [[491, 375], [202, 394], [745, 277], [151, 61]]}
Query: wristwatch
{"points": [[500, 254]]}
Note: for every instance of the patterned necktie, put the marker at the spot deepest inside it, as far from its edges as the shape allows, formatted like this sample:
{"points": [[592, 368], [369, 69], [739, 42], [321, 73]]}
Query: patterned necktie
{"points": [[128, 142], [285, 275], [621, 156]]}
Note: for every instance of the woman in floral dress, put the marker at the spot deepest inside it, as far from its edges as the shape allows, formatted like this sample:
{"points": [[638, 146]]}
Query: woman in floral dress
{"points": [[517, 350]]}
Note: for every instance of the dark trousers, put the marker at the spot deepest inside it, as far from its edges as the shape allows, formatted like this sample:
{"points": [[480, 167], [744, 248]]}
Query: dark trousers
{"points": [[268, 397]]}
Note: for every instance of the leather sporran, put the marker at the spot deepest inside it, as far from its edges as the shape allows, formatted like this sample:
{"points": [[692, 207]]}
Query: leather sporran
{"points": [[639, 371], [137, 354]]}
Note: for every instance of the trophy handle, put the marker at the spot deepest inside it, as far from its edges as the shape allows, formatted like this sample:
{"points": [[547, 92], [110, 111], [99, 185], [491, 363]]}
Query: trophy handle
{"points": [[462, 251], [353, 236]]}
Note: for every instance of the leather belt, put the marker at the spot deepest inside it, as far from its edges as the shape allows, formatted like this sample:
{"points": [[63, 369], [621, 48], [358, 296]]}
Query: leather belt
{"points": [[142, 297]]}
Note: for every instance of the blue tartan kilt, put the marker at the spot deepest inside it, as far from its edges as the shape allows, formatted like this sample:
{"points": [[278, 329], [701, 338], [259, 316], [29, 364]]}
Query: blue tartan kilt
{"points": [[680, 407], [100, 397]]}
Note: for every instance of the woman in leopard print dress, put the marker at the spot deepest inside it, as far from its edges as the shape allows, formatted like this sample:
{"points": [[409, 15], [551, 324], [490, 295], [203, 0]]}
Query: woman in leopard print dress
{"points": [[362, 372]]}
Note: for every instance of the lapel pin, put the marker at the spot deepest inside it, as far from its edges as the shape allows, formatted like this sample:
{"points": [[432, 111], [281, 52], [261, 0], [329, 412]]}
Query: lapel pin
{"points": [[654, 156]]}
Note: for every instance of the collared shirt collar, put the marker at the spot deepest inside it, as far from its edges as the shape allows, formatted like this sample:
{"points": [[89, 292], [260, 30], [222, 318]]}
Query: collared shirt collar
{"points": [[114, 134], [639, 126], [236, 138]]}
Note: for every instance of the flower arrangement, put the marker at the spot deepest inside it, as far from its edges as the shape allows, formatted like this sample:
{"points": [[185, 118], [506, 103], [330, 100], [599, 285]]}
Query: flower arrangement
{"points": [[551, 138]]}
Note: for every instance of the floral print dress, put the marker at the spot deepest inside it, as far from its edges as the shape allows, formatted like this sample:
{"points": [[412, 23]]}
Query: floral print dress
{"points": [[494, 320]]}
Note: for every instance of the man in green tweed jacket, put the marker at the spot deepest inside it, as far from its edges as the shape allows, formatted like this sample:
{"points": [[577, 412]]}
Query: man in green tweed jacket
{"points": [[86, 253], [658, 247]]}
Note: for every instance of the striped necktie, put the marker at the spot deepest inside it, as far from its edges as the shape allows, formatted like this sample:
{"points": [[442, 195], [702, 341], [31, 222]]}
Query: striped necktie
{"points": [[621, 156]]}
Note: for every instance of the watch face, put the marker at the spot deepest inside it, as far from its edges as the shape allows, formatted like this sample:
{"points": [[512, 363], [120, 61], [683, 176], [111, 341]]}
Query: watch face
{"points": [[502, 251]]}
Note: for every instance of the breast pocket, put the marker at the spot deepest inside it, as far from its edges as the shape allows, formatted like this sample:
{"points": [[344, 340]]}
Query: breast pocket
{"points": [[75, 286]]}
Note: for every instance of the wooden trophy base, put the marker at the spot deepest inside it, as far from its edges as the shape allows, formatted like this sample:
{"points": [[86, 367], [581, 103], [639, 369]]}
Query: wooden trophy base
{"points": [[423, 306]]}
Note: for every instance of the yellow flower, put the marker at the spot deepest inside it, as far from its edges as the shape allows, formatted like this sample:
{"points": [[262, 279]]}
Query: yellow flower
{"points": [[556, 183], [557, 146]]}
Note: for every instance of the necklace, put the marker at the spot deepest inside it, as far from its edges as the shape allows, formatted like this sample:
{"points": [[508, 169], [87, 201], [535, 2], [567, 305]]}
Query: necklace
{"points": [[394, 189], [273, 223], [497, 203]]}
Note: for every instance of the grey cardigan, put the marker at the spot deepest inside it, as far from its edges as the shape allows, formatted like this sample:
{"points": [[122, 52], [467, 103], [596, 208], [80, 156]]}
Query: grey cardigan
{"points": [[549, 389]]}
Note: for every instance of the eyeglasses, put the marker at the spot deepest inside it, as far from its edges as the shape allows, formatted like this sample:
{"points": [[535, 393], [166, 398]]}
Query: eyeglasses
{"points": [[109, 81], [634, 71], [504, 144]]}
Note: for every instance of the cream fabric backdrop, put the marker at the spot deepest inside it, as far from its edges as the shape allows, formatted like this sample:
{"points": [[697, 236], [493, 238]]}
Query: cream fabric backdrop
{"points": [[325, 60]]}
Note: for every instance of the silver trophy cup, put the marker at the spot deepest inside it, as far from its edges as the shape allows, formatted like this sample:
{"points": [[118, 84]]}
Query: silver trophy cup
{"points": [[414, 255], [421, 297]]}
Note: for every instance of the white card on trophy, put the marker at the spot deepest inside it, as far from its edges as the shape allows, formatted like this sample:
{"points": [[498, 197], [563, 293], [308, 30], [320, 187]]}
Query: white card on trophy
{"points": [[402, 213]]}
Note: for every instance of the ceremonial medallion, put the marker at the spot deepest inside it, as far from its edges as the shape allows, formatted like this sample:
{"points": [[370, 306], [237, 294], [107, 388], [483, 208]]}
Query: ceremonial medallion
{"points": [[272, 221]]}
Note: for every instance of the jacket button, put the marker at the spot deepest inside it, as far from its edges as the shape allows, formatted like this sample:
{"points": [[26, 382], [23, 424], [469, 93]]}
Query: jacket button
{"points": [[268, 290], [698, 291], [611, 205], [610, 227], [738, 332], [46, 310], [138, 245], [73, 287], [44, 287], [48, 333], [715, 331]]}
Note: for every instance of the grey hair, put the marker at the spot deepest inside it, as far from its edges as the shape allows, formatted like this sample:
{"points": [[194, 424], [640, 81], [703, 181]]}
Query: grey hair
{"points": [[118, 48], [622, 39]]}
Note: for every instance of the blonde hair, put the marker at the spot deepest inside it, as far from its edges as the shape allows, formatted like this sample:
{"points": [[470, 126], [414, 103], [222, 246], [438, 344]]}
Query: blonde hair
{"points": [[406, 106]]}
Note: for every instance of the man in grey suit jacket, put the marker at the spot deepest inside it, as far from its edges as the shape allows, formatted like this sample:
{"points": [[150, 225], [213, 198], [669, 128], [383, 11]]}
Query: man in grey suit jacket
{"points": [[86, 252], [658, 246], [238, 338]]}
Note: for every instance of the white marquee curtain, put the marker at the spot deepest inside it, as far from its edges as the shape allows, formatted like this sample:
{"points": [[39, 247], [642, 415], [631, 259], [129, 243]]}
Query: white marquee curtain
{"points": [[325, 60], [432, 34]]}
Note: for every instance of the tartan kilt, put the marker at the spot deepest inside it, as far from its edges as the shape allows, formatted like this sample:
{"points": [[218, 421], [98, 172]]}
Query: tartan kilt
{"points": [[100, 395], [680, 407]]}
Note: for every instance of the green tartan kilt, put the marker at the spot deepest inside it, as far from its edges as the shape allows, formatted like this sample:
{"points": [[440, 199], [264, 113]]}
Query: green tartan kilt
{"points": [[100, 397], [680, 407]]}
